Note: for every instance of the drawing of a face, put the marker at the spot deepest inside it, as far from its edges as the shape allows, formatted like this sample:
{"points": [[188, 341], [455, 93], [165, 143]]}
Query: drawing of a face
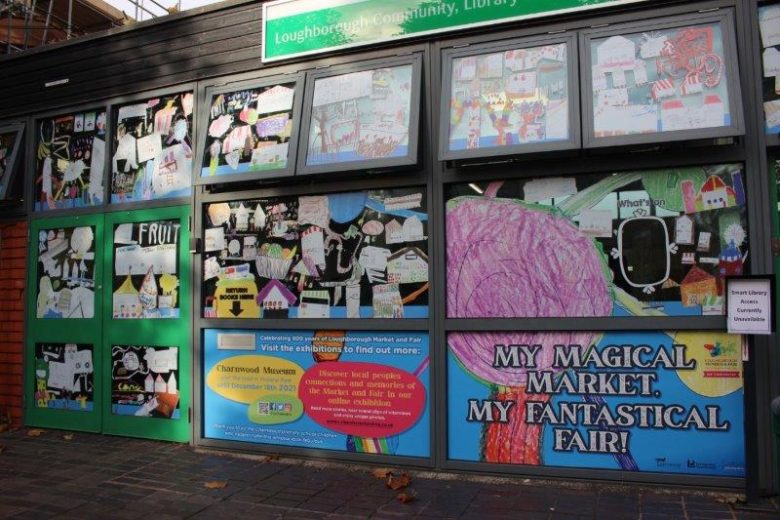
{"points": [[643, 244], [83, 362]]}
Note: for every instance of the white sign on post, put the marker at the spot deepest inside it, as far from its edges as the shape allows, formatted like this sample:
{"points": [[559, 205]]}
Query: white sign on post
{"points": [[749, 305]]}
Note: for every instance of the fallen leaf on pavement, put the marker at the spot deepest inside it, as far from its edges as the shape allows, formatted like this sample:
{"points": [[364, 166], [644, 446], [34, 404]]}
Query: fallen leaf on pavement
{"points": [[382, 472], [216, 484], [396, 483], [407, 497], [34, 433], [68, 436], [270, 458]]}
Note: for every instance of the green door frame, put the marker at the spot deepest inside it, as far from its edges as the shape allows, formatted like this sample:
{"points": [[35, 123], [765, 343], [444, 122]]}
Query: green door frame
{"points": [[61, 330], [165, 332]]}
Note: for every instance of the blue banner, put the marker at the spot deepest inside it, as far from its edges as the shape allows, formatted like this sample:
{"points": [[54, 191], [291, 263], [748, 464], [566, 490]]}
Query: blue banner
{"points": [[630, 401], [362, 392]]}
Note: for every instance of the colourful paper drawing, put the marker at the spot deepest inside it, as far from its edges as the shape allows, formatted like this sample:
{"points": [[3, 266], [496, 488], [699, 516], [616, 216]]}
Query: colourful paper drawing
{"points": [[152, 149], [320, 256]]}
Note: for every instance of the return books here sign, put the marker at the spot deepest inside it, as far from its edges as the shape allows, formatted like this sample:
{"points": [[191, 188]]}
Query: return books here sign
{"points": [[303, 27]]}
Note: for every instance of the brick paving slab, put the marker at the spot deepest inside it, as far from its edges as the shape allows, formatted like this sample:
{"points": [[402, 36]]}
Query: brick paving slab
{"points": [[103, 477]]}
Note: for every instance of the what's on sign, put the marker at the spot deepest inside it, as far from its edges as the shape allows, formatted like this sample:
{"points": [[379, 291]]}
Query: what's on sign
{"points": [[303, 27]]}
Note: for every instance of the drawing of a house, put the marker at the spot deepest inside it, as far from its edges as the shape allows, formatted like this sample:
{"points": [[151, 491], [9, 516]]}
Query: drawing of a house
{"points": [[394, 232], [715, 194], [126, 301], [275, 300], [697, 286], [409, 265], [616, 53]]}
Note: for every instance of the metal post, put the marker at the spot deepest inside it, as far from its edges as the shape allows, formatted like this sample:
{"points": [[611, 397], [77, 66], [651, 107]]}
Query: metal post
{"points": [[10, 20], [29, 18], [70, 18], [46, 25]]}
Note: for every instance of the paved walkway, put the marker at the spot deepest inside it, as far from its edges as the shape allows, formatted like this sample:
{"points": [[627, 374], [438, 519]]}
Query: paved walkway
{"points": [[55, 474]]}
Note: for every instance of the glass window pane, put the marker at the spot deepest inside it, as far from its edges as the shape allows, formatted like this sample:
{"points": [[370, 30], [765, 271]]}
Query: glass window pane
{"points": [[10, 150], [66, 273], [769, 24], [509, 98], [146, 270], [71, 151], [660, 81], [249, 130], [145, 381], [361, 116], [648, 243], [152, 149], [635, 401], [64, 376], [342, 255]]}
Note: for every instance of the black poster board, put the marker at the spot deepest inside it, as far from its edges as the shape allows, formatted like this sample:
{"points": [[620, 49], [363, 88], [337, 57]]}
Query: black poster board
{"points": [[252, 130], [70, 161], [152, 149], [66, 273], [145, 381], [646, 243], [64, 376], [340, 255]]}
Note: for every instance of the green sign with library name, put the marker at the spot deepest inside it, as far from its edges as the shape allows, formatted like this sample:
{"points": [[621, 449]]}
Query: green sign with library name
{"points": [[303, 27]]}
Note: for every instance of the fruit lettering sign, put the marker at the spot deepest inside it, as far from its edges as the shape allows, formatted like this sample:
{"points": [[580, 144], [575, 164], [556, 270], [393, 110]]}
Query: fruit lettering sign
{"points": [[621, 402], [146, 270]]}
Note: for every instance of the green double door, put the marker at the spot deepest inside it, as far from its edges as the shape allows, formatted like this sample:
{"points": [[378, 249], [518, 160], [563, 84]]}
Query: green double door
{"points": [[108, 345]]}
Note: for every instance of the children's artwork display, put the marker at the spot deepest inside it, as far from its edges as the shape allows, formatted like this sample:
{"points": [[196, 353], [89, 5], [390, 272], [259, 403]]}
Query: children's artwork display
{"points": [[342, 255], [354, 392], [70, 160], [144, 381], [64, 376], [368, 115], [251, 130], [146, 270], [769, 25], [10, 143], [505, 99], [645, 243], [152, 149], [664, 402], [662, 80], [66, 273]]}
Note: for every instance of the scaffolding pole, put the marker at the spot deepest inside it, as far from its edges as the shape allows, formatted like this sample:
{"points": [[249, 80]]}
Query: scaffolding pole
{"points": [[48, 19]]}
